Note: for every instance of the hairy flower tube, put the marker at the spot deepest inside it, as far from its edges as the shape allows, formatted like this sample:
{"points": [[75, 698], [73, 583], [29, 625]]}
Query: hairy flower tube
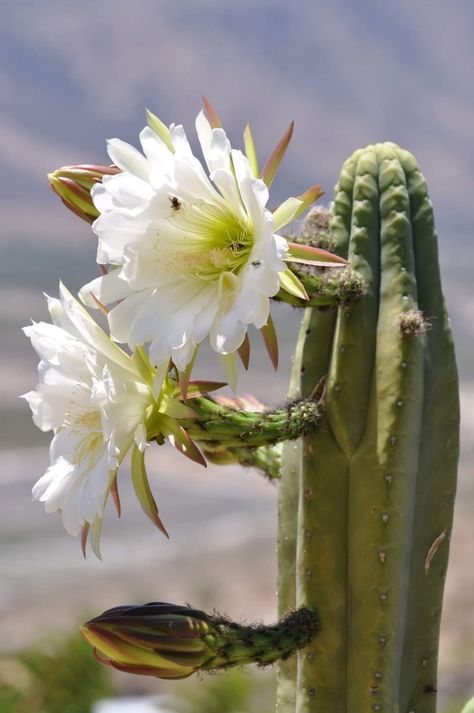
{"points": [[172, 641], [192, 253], [100, 403], [266, 458]]}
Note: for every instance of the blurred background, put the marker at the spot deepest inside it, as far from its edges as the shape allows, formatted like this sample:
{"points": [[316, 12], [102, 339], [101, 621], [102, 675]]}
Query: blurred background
{"points": [[74, 74]]}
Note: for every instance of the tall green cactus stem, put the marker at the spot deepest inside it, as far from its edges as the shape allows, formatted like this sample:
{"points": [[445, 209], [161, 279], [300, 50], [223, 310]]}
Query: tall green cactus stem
{"points": [[319, 325], [292, 454], [377, 478]]}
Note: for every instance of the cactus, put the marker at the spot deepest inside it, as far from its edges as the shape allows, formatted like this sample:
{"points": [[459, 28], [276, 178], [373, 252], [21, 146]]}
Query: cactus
{"points": [[366, 494], [370, 530]]}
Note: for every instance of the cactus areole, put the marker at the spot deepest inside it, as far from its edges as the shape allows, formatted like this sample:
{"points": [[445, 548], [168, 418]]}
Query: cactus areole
{"points": [[366, 500]]}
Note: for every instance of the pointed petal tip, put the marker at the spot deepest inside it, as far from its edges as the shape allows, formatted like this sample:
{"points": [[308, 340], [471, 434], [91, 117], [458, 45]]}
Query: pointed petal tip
{"points": [[198, 388], [273, 162], [244, 352], [270, 340], [159, 524], [84, 536], [101, 307], [211, 113], [114, 491]]}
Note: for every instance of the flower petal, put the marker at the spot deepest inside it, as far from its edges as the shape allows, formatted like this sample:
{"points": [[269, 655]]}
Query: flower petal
{"points": [[107, 288], [128, 158]]}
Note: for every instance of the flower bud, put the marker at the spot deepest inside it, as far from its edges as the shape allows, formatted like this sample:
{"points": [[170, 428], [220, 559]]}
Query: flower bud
{"points": [[171, 641], [73, 185]]}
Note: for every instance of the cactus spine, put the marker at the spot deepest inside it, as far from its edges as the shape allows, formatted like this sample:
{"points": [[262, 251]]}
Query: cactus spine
{"points": [[365, 540]]}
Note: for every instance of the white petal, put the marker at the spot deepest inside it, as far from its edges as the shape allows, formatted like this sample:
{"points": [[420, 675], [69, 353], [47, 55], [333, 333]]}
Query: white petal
{"points": [[116, 230], [180, 141], [90, 330], [214, 143], [53, 485], [48, 406], [140, 437], [86, 496], [122, 316], [152, 322], [48, 340], [225, 182], [124, 191], [241, 165], [227, 333], [160, 158], [254, 194], [204, 132], [127, 158], [281, 245], [159, 351], [107, 288], [183, 355], [205, 317], [192, 181]]}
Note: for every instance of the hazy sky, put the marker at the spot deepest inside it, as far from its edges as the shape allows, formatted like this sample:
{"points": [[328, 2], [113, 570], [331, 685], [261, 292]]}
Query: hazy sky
{"points": [[349, 73]]}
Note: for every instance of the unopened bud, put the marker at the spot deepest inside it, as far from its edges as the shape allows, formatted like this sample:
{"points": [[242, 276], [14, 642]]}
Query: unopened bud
{"points": [[73, 185], [170, 641]]}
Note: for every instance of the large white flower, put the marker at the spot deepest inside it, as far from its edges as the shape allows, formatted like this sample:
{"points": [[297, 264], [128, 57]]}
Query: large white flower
{"points": [[93, 398], [191, 254]]}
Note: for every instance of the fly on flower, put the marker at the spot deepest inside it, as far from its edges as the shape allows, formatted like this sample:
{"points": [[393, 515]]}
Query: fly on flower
{"points": [[194, 253], [101, 403]]}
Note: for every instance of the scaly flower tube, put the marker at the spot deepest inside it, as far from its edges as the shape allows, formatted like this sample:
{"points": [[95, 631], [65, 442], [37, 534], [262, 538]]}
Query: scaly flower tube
{"points": [[100, 403], [193, 255]]}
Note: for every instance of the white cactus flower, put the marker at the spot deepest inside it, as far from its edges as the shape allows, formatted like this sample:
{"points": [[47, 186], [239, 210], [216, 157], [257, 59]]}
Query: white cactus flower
{"points": [[193, 253], [94, 399]]}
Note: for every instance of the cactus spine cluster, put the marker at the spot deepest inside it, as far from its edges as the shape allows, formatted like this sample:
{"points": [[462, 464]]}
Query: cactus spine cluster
{"points": [[366, 500]]}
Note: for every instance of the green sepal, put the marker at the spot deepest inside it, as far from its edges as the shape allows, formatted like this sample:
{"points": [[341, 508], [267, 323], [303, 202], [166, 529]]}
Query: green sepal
{"points": [[160, 129], [291, 284], [250, 150], [276, 157]]}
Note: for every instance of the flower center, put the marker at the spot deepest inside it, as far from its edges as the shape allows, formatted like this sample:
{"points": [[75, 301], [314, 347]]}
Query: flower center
{"points": [[89, 449], [86, 425], [202, 240]]}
